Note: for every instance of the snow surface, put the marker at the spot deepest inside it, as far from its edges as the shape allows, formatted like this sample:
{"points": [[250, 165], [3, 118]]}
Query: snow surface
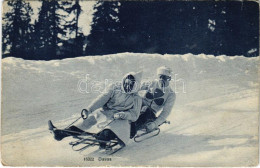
{"points": [[214, 121]]}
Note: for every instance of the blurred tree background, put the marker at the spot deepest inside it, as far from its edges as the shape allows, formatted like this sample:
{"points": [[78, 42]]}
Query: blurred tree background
{"points": [[172, 27]]}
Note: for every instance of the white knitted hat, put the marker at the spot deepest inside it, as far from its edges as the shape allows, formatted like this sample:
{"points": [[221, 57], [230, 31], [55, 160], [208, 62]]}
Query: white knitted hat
{"points": [[164, 71]]}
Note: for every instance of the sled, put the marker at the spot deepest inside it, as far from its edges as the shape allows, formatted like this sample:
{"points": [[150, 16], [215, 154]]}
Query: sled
{"points": [[84, 140], [147, 135]]}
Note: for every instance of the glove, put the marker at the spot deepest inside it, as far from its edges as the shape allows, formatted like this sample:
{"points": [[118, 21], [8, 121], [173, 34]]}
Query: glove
{"points": [[150, 126], [120, 115], [144, 108]]}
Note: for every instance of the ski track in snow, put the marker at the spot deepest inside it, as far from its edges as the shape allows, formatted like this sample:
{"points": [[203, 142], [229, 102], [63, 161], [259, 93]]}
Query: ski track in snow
{"points": [[213, 124]]}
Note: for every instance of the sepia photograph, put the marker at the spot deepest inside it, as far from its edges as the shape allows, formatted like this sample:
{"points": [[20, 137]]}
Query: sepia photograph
{"points": [[131, 83]]}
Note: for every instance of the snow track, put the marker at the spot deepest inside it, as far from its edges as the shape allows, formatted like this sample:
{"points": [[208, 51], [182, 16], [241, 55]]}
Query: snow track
{"points": [[214, 123]]}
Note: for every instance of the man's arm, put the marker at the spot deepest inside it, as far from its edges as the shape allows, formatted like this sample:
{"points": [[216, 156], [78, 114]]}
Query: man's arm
{"points": [[145, 85], [166, 109]]}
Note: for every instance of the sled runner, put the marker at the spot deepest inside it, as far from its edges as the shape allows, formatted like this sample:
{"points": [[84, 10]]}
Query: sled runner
{"points": [[84, 139], [147, 135]]}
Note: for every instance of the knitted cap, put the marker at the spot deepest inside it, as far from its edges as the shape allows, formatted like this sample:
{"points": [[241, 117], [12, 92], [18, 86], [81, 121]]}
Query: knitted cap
{"points": [[164, 71]]}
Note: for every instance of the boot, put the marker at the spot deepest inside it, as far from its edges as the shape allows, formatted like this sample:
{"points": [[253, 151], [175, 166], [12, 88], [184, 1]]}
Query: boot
{"points": [[60, 134], [71, 131], [51, 126]]}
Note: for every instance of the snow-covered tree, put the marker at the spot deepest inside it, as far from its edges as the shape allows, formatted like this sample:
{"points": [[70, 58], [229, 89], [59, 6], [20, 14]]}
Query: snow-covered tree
{"points": [[71, 26], [17, 29], [49, 30], [103, 38]]}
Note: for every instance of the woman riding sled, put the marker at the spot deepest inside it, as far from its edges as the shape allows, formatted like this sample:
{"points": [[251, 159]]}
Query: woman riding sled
{"points": [[120, 105]]}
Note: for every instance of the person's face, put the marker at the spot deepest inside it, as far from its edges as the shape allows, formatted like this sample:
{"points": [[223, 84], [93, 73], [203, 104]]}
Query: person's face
{"points": [[164, 80], [129, 84]]}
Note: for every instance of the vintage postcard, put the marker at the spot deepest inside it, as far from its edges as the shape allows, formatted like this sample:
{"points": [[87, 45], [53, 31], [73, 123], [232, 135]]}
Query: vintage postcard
{"points": [[130, 83]]}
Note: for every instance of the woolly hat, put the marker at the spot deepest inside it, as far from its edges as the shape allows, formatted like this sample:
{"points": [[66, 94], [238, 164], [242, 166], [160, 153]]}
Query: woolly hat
{"points": [[164, 71]]}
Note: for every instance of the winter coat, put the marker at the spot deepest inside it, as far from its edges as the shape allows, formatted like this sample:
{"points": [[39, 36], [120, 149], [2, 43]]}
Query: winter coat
{"points": [[115, 100], [168, 96]]}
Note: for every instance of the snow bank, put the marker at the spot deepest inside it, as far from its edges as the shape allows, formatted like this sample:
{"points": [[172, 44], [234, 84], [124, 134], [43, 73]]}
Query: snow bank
{"points": [[216, 105], [49, 89]]}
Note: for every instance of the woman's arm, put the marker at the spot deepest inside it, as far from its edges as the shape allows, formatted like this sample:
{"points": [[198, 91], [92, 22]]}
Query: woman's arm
{"points": [[102, 99], [133, 113]]}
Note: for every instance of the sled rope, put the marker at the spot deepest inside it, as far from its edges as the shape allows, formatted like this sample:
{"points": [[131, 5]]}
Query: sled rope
{"points": [[82, 116], [103, 127], [73, 122]]}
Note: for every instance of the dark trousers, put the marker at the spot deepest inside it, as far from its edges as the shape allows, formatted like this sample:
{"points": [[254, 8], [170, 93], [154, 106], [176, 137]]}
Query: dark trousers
{"points": [[59, 134], [145, 117]]}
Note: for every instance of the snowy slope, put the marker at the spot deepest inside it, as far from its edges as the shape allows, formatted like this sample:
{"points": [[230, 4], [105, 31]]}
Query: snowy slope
{"points": [[213, 123]]}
